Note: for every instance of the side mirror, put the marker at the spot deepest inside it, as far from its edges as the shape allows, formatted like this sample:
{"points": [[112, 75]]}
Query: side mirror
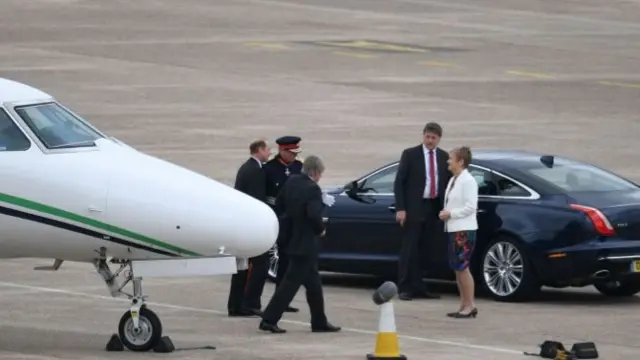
{"points": [[351, 188]]}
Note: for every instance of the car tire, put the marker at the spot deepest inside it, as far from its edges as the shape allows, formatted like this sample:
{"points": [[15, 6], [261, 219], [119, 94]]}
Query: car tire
{"points": [[618, 288], [515, 266]]}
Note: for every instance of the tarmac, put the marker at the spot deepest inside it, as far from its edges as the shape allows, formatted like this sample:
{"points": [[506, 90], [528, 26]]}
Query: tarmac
{"points": [[195, 81]]}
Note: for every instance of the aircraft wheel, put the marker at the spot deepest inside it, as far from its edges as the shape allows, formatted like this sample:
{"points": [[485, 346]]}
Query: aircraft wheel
{"points": [[148, 334]]}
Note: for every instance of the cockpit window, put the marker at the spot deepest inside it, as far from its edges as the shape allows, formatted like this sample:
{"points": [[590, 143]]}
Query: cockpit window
{"points": [[11, 137], [56, 127]]}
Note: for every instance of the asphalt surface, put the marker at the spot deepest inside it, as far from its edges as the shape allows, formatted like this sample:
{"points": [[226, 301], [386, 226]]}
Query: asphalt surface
{"points": [[195, 81]]}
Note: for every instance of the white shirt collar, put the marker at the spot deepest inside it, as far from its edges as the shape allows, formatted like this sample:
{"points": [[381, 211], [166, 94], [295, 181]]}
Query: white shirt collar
{"points": [[256, 159], [426, 150]]}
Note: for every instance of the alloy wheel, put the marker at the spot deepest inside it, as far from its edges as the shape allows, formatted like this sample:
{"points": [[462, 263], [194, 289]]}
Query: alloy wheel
{"points": [[273, 262], [503, 268]]}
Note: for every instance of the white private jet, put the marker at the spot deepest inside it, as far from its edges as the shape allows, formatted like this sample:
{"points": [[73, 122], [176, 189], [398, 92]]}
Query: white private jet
{"points": [[70, 192]]}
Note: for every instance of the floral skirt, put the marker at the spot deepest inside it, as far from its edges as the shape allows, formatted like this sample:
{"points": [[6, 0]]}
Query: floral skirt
{"points": [[461, 244]]}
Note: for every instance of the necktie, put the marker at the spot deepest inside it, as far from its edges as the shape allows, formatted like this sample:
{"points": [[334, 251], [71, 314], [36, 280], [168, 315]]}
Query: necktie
{"points": [[432, 174]]}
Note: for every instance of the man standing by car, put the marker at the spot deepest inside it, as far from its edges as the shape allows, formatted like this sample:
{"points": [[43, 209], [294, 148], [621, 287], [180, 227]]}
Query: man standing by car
{"points": [[251, 180], [278, 171], [419, 189], [302, 201]]}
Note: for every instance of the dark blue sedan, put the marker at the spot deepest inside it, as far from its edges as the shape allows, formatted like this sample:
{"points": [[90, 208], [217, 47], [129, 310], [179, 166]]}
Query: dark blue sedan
{"points": [[543, 221]]}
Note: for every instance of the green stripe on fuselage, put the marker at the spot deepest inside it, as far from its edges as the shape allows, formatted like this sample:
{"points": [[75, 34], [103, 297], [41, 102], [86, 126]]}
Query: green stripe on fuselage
{"points": [[42, 208]]}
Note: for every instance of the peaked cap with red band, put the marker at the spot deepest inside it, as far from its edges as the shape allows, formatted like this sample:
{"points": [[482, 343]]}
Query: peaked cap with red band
{"points": [[289, 143]]}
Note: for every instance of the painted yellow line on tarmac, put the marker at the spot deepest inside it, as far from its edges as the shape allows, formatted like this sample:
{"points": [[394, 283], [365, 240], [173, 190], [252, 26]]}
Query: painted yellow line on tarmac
{"points": [[354, 54], [439, 64], [275, 46], [529, 74], [372, 45], [627, 85]]}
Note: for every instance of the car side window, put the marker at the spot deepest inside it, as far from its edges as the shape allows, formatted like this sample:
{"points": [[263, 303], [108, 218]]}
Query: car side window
{"points": [[380, 183], [11, 137], [486, 186], [508, 188]]}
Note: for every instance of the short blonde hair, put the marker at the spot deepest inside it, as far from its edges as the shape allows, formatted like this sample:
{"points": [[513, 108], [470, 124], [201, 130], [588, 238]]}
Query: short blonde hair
{"points": [[463, 153]]}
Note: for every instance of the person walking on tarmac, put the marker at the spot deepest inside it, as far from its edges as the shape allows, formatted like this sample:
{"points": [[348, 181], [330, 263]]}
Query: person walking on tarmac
{"points": [[277, 172], [302, 201], [251, 180]]}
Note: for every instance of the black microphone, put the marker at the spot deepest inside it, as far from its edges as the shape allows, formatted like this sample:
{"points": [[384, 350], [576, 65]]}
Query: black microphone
{"points": [[385, 293]]}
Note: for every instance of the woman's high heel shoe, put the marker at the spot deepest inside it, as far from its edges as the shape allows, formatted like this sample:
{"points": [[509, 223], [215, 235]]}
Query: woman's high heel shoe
{"points": [[459, 315]]}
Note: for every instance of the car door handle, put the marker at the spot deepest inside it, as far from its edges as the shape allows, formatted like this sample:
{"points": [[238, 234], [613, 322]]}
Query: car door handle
{"points": [[480, 211], [325, 219], [392, 208]]}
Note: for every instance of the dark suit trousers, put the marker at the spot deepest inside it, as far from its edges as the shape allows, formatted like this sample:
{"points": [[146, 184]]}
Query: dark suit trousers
{"points": [[255, 281], [283, 257], [419, 235], [283, 265], [236, 293], [302, 270]]}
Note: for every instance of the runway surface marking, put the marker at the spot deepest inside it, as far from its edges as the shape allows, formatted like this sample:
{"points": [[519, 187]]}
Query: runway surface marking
{"points": [[293, 322], [627, 85], [529, 74], [372, 45], [427, 63], [273, 46], [354, 54], [439, 63]]}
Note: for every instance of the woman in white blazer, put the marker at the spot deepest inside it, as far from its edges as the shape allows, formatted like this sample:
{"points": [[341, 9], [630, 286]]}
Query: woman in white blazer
{"points": [[459, 216]]}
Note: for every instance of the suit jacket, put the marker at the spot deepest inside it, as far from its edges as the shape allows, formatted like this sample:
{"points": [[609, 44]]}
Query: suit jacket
{"points": [[301, 201], [251, 180], [461, 199], [411, 178]]}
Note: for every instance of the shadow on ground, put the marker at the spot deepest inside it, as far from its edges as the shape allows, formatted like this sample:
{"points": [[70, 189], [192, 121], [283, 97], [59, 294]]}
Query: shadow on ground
{"points": [[548, 295]]}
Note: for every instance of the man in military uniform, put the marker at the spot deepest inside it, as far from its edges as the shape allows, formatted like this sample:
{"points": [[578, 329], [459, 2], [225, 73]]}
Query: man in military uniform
{"points": [[278, 171]]}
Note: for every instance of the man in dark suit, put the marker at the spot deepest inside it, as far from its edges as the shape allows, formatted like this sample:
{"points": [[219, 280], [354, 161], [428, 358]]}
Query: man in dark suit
{"points": [[302, 201], [251, 180], [419, 188], [278, 170]]}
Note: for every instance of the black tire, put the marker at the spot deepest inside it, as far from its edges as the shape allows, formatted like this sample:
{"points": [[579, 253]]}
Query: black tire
{"points": [[623, 288], [528, 285], [148, 320]]}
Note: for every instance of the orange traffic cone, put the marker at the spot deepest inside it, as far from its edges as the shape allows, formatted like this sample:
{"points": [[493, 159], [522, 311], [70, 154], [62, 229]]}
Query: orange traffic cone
{"points": [[387, 344]]}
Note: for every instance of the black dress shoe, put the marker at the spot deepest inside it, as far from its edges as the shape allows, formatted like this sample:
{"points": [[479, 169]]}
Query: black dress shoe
{"points": [[405, 296], [241, 313], [291, 309], [265, 326], [326, 328], [257, 312]]}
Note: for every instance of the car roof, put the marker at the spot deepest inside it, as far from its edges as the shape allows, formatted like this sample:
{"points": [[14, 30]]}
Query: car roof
{"points": [[509, 159], [513, 164], [13, 91], [504, 159]]}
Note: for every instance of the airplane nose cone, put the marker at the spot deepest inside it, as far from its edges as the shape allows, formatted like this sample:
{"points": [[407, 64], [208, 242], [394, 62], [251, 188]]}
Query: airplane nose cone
{"points": [[186, 212], [253, 223]]}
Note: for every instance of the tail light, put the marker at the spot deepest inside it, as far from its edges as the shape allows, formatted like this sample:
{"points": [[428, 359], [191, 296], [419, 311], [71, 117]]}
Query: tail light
{"points": [[600, 222]]}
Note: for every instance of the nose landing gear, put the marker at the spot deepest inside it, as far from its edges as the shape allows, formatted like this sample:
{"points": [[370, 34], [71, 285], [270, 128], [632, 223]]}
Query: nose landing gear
{"points": [[140, 328]]}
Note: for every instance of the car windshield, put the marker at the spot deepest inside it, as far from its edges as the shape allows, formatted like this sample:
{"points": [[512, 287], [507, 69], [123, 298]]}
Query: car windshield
{"points": [[56, 127], [576, 177]]}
